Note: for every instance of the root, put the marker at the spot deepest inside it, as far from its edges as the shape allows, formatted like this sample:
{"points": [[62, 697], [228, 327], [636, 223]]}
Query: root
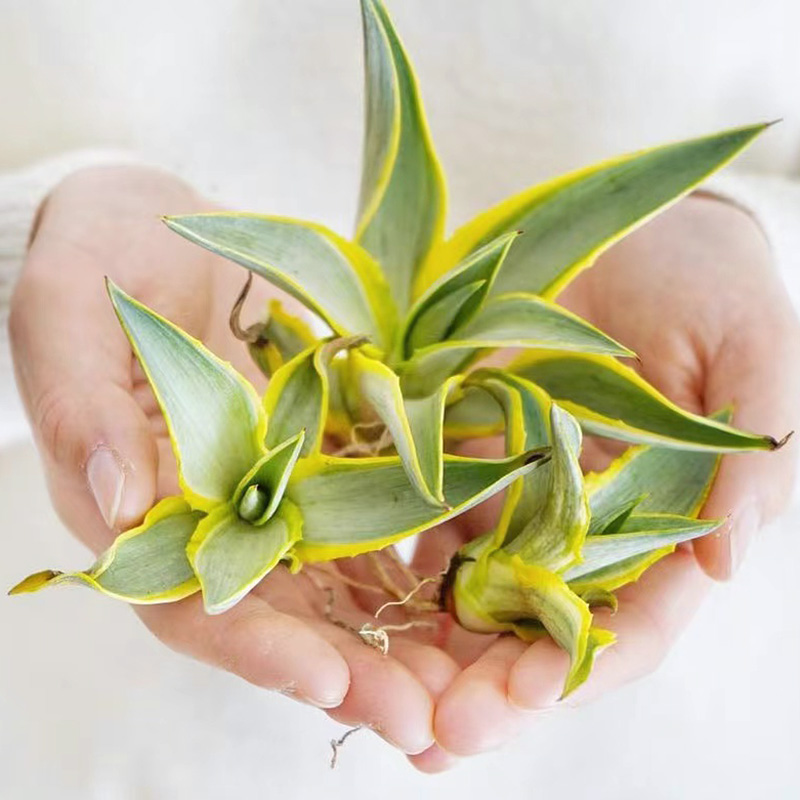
{"points": [[385, 578], [337, 744], [405, 600]]}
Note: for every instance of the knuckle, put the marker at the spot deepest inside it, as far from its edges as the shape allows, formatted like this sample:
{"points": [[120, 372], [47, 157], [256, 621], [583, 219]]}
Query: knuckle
{"points": [[54, 412]]}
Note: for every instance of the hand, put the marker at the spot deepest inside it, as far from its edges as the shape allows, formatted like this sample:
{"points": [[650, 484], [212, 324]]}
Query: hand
{"points": [[107, 458], [695, 294]]}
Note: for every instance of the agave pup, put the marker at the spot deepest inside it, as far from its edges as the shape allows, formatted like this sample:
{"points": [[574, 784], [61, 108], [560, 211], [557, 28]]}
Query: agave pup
{"points": [[409, 314]]}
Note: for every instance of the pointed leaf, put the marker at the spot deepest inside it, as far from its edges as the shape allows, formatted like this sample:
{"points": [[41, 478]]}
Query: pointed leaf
{"points": [[609, 399], [331, 276], [230, 555], [270, 476], [355, 505], [655, 479], [456, 297], [570, 220], [146, 564], [213, 414], [525, 320], [419, 445], [640, 534], [517, 320], [403, 196], [298, 394]]}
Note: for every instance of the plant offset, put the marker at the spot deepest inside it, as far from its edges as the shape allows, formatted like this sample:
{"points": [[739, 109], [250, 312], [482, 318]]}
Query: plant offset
{"points": [[346, 452]]}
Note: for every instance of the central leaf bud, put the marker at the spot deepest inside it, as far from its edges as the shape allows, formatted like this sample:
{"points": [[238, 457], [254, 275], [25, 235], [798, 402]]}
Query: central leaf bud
{"points": [[254, 503]]}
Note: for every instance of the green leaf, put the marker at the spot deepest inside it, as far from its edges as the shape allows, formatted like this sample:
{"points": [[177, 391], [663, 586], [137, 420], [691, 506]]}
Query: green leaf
{"points": [[609, 399], [415, 425], [640, 534], [270, 476], [230, 555], [354, 505], [554, 532], [298, 394], [213, 415], [146, 564], [473, 414], [527, 411], [518, 320], [505, 593], [570, 220], [525, 320], [652, 479], [402, 203], [334, 278], [456, 297]]}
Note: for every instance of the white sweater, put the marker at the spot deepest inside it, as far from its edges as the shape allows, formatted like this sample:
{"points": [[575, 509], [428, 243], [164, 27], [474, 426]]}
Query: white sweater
{"points": [[259, 102]]}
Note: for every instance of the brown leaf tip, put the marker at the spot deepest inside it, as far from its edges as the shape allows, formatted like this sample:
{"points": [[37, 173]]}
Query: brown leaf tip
{"points": [[778, 443]]}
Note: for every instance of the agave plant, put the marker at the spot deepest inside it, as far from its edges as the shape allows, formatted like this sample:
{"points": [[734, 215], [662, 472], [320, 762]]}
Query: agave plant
{"points": [[408, 314]]}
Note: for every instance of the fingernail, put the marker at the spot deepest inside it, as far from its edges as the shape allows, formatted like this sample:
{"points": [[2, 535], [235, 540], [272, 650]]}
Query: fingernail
{"points": [[745, 524], [106, 478]]}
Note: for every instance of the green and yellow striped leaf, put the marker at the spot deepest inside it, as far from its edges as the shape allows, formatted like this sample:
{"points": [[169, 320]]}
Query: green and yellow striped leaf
{"points": [[402, 205], [415, 425], [553, 534], [353, 505], [612, 400], [298, 394], [516, 320], [639, 535], [213, 415], [230, 555], [572, 219], [503, 593], [336, 279], [144, 565], [455, 298], [652, 479]]}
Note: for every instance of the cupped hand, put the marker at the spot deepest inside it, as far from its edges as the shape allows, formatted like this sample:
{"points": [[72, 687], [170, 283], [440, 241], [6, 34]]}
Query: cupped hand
{"points": [[696, 295], [107, 458]]}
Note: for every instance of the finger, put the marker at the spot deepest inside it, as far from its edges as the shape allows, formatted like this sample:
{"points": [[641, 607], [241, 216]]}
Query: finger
{"points": [[74, 372], [474, 715], [383, 695], [652, 613], [759, 372], [433, 760], [254, 641]]}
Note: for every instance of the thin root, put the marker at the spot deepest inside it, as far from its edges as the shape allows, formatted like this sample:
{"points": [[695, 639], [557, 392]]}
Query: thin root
{"points": [[336, 744], [408, 597]]}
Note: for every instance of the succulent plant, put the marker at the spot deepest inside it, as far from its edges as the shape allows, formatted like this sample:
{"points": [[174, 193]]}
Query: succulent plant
{"points": [[396, 380]]}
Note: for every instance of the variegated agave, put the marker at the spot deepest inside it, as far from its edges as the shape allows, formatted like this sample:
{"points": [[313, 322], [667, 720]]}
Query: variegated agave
{"points": [[410, 313]]}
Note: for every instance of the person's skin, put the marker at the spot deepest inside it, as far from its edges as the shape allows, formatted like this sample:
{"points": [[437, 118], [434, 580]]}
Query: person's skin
{"points": [[694, 293]]}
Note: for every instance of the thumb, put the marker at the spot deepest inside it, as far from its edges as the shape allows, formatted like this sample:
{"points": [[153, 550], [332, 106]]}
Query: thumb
{"points": [[73, 368]]}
